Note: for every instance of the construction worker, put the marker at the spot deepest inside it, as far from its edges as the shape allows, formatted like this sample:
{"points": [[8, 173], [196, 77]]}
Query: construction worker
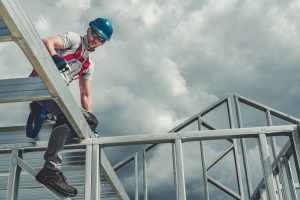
{"points": [[71, 54]]}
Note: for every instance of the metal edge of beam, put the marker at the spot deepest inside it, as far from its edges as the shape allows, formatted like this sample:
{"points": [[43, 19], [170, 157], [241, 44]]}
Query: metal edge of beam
{"points": [[235, 150], [136, 176], [6, 38], [286, 177], [21, 128], [295, 146], [145, 173], [108, 170], [195, 135], [263, 108], [243, 147], [213, 106], [267, 167], [175, 170], [13, 176], [193, 119], [220, 156], [39, 146], [256, 193], [27, 38], [123, 162], [88, 172], [203, 163], [285, 152], [181, 190], [23, 89], [224, 188], [165, 137], [95, 186], [202, 113], [177, 128], [36, 97]]}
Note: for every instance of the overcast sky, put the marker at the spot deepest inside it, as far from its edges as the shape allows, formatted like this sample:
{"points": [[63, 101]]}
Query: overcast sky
{"points": [[168, 59]]}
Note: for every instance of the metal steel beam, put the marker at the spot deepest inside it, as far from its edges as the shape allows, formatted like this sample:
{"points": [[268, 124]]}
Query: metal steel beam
{"points": [[195, 135], [243, 147], [164, 137], [30, 42], [224, 188], [219, 157], [264, 108], [266, 165], [295, 143], [180, 174], [95, 189], [112, 175], [289, 191], [145, 177], [13, 178], [136, 177], [123, 162], [6, 38], [88, 172], [23, 89]]}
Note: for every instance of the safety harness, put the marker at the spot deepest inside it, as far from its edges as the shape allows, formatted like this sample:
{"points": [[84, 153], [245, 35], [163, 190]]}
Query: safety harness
{"points": [[35, 120], [85, 63]]}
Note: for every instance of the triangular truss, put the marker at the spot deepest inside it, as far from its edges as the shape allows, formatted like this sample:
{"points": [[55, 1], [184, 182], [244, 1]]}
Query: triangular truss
{"points": [[278, 182]]}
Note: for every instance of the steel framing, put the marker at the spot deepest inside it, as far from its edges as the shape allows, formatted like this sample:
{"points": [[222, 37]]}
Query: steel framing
{"points": [[277, 182], [16, 26]]}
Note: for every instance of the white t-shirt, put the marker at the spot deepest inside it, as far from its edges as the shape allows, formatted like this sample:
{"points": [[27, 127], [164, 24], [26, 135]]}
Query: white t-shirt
{"points": [[71, 42]]}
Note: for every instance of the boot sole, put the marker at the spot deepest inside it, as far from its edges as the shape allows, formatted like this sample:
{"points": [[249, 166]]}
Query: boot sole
{"points": [[66, 194]]}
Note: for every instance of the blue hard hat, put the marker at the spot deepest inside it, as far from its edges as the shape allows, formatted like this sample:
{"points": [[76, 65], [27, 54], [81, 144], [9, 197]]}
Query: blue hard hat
{"points": [[102, 26]]}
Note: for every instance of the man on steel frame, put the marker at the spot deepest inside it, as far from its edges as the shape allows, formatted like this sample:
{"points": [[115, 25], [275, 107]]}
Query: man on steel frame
{"points": [[71, 54]]}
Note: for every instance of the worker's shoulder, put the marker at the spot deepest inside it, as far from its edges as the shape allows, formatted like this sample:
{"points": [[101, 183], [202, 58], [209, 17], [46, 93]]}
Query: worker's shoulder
{"points": [[71, 35], [70, 38]]}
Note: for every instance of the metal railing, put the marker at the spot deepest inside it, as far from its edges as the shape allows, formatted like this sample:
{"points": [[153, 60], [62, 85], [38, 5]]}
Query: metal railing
{"points": [[279, 183]]}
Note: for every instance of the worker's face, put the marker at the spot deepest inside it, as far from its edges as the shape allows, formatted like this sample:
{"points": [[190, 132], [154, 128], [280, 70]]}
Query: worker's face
{"points": [[94, 39]]}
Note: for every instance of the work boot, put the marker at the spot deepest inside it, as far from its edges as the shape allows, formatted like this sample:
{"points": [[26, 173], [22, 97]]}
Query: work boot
{"points": [[57, 181]]}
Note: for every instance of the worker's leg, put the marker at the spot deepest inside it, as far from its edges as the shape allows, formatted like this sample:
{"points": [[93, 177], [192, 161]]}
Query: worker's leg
{"points": [[51, 175], [56, 143]]}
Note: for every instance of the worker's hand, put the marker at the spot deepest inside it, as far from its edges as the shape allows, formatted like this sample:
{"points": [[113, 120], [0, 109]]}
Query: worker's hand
{"points": [[90, 119], [60, 63]]}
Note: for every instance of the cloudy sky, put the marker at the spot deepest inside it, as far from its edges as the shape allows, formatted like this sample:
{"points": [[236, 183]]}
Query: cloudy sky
{"points": [[167, 60]]}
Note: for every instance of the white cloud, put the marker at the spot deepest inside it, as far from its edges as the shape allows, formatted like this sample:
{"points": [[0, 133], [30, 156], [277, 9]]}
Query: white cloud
{"points": [[151, 14], [69, 4], [43, 25], [173, 77]]}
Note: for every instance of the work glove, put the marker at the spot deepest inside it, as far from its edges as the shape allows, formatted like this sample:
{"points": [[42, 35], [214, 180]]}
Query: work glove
{"points": [[61, 64], [90, 119]]}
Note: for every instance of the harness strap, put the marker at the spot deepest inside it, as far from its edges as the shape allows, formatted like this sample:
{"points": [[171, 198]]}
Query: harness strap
{"points": [[77, 55]]}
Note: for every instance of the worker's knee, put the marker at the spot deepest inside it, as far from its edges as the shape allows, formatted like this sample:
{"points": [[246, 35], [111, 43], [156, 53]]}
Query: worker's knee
{"points": [[61, 120]]}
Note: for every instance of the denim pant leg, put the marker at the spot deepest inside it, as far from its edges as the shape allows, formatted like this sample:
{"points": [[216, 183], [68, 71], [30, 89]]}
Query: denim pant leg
{"points": [[57, 138]]}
